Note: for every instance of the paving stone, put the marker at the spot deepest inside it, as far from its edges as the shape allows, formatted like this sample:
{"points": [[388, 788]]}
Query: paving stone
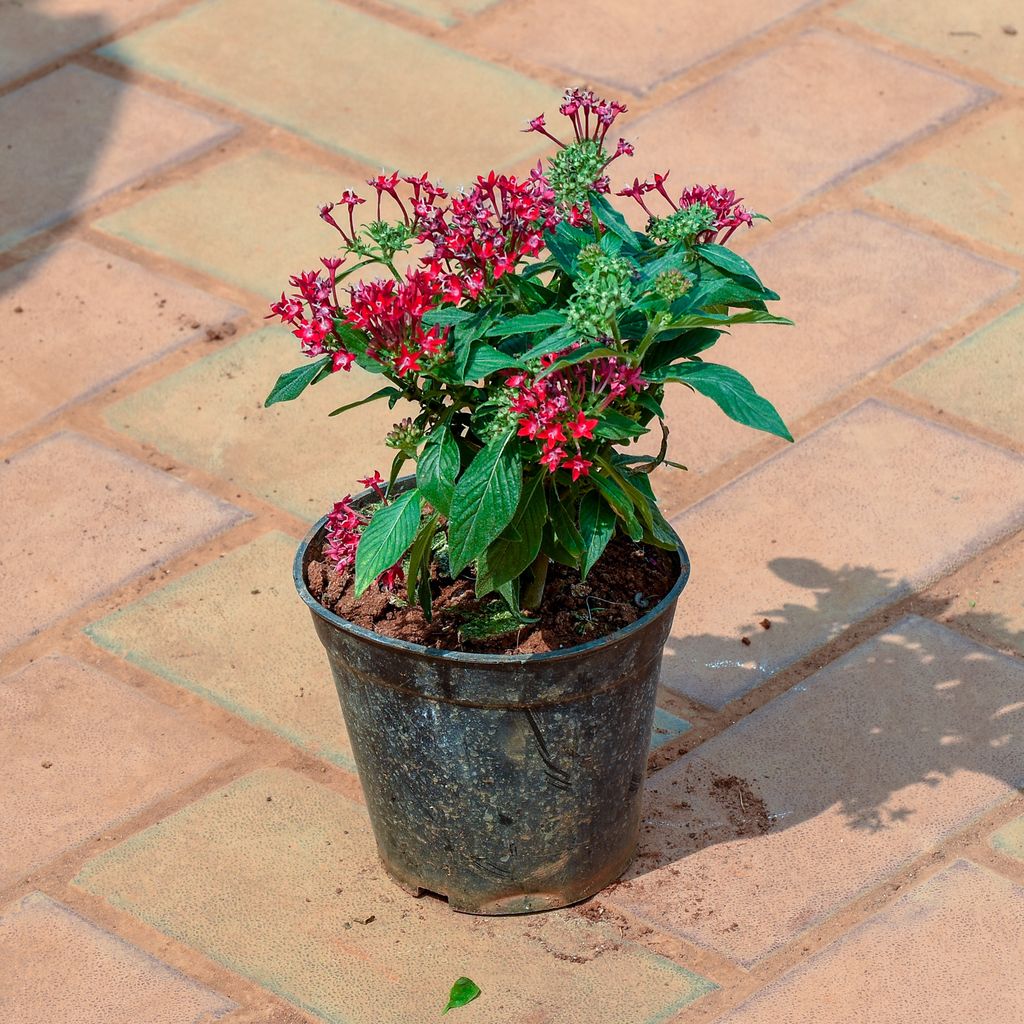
{"points": [[114, 316], [257, 244], [77, 520], [378, 118], [979, 379], [972, 183], [211, 415], [769, 828], [36, 34], [1010, 839], [236, 632], [856, 515], [92, 135], [214, 873], [823, 268], [618, 48], [947, 952], [62, 969], [974, 34], [83, 752], [667, 727], [840, 113]]}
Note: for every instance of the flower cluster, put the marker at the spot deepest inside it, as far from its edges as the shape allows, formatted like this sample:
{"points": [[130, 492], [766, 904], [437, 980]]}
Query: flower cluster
{"points": [[560, 410], [344, 529], [535, 334], [700, 215]]}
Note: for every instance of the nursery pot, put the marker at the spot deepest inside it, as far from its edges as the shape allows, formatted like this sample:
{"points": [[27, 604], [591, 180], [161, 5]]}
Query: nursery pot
{"points": [[505, 783]]}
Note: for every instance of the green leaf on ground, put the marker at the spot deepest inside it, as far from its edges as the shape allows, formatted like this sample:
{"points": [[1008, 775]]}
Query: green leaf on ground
{"points": [[463, 991]]}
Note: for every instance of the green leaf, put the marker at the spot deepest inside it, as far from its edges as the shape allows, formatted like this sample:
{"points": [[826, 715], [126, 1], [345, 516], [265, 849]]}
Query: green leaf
{"points": [[620, 502], [684, 345], [562, 338], [564, 243], [614, 426], [734, 394], [387, 537], [759, 316], [486, 359], [463, 991], [730, 262], [438, 467], [527, 323], [671, 260], [597, 527], [579, 355], [513, 552], [393, 394], [291, 384], [661, 531], [566, 532], [611, 218], [419, 563], [484, 501], [447, 316]]}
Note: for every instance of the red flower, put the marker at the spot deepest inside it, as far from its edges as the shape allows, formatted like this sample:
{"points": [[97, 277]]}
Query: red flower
{"points": [[342, 361], [552, 459], [408, 362], [579, 466], [583, 427], [374, 481]]}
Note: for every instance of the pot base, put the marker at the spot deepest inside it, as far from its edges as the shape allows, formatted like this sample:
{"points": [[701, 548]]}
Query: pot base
{"points": [[514, 902]]}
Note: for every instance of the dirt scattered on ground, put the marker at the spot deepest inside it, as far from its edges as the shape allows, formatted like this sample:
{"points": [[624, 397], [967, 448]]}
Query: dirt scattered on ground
{"points": [[628, 580]]}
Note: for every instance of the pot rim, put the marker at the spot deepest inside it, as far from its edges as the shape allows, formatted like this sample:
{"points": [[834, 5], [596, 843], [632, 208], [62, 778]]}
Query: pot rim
{"points": [[471, 657]]}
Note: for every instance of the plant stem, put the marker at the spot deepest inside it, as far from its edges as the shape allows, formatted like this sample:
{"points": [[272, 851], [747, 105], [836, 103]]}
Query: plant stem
{"points": [[538, 578]]}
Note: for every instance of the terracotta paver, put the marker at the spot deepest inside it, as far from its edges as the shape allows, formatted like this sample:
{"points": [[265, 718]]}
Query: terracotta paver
{"points": [[977, 34], [782, 819], [825, 532], [621, 53], [346, 943], [257, 244], [1010, 839], [236, 632], [78, 519], [945, 953], [93, 135], [35, 34], [211, 415], [990, 600], [59, 968], [823, 268], [972, 183], [375, 117], [115, 315], [83, 752], [979, 379], [838, 117]]}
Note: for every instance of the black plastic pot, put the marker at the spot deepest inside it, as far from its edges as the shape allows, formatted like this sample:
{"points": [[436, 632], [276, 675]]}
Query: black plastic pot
{"points": [[506, 783]]}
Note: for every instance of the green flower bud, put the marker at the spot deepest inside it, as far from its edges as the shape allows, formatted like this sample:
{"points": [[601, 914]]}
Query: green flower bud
{"points": [[573, 170], [672, 284], [683, 225]]}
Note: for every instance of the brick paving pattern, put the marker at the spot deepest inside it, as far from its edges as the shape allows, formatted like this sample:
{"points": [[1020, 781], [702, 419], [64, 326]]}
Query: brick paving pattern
{"points": [[833, 816]]}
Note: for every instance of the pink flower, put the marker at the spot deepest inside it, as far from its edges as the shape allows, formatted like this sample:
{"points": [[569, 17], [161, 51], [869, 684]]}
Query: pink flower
{"points": [[374, 481]]}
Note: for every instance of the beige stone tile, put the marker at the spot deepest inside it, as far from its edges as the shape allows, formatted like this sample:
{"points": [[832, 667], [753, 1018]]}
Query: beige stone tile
{"points": [[447, 12], [211, 415], [972, 183], [855, 516], [389, 101], [947, 952], [786, 124], [215, 873], [608, 41], [77, 318], [979, 379], [77, 520], [62, 969], [36, 33], [823, 268], [1010, 839], [92, 135], [973, 34], [774, 825], [83, 752], [236, 632]]}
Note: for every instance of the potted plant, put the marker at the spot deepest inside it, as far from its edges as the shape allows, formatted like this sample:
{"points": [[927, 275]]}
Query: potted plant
{"points": [[495, 620]]}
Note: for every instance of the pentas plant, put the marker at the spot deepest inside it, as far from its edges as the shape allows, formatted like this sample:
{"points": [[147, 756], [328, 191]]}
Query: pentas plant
{"points": [[536, 332]]}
